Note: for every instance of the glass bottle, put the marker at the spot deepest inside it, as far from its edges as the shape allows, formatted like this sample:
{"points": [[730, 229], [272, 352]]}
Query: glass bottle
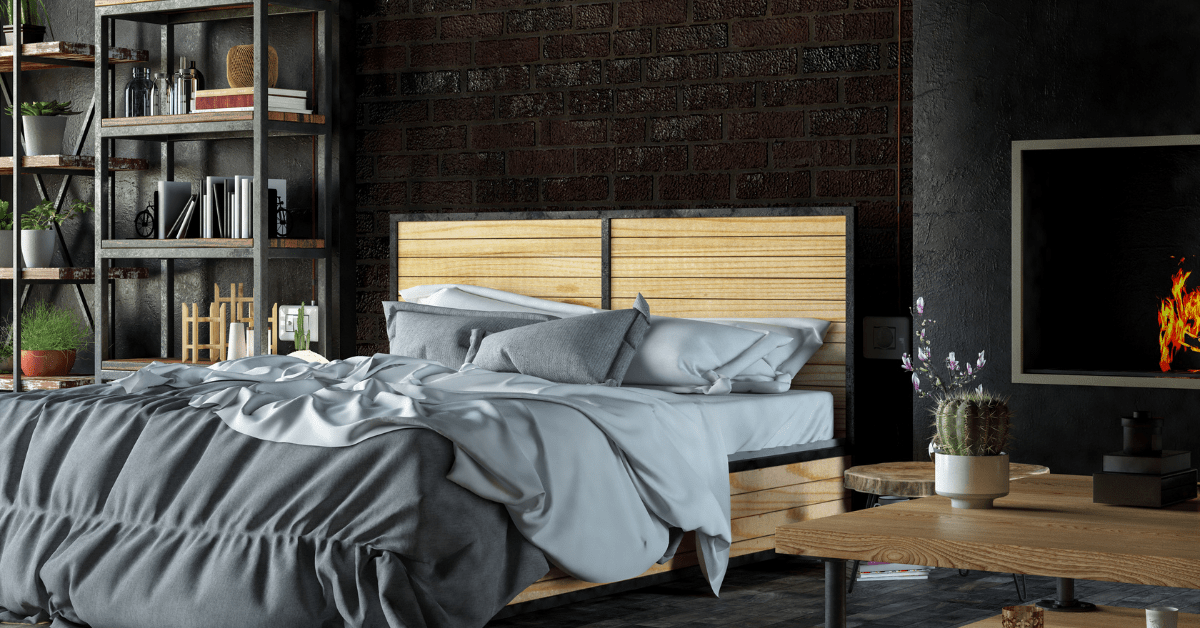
{"points": [[162, 104], [137, 97], [151, 94], [181, 88]]}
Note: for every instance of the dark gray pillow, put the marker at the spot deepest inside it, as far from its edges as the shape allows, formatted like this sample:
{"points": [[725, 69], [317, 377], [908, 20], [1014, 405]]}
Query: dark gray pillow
{"points": [[592, 349], [443, 334]]}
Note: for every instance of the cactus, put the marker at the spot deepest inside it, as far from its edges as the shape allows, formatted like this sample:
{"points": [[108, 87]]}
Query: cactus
{"points": [[301, 340], [972, 423]]}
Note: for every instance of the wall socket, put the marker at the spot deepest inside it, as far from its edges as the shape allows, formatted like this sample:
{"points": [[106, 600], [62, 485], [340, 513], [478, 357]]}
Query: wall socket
{"points": [[289, 314], [886, 337]]}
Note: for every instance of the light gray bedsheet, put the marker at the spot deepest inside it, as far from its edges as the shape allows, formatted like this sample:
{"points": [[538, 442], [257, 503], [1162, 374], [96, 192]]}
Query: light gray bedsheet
{"points": [[594, 476]]}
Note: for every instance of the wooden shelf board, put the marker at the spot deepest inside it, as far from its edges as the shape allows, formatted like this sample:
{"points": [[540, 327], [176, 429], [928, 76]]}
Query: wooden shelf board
{"points": [[135, 364], [46, 383], [74, 275], [42, 56], [73, 163], [1102, 617], [213, 243], [220, 116]]}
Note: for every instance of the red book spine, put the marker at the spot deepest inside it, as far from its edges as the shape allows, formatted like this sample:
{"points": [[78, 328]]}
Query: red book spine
{"points": [[222, 102]]}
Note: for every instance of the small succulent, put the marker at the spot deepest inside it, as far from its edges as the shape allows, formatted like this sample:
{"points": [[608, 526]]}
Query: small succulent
{"points": [[972, 423], [44, 108]]}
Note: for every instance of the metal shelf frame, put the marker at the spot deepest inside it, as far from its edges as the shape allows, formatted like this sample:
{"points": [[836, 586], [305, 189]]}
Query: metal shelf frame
{"points": [[169, 14]]}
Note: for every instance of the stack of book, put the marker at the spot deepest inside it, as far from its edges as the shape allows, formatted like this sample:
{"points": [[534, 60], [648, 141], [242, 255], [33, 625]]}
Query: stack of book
{"points": [[242, 99], [891, 571], [224, 208]]}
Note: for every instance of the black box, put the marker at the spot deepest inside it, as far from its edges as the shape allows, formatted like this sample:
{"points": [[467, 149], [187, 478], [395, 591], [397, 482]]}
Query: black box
{"points": [[1135, 489], [1162, 464]]}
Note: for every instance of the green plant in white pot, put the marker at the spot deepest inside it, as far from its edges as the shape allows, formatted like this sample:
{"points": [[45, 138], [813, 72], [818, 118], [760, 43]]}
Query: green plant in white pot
{"points": [[37, 235], [6, 235], [43, 125], [973, 426]]}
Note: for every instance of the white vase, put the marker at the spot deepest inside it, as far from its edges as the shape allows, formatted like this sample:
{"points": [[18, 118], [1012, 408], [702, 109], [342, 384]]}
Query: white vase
{"points": [[37, 248], [970, 481], [6, 248], [43, 135]]}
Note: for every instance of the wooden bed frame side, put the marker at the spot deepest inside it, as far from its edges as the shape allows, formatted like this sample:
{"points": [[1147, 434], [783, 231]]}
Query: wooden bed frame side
{"points": [[739, 263]]}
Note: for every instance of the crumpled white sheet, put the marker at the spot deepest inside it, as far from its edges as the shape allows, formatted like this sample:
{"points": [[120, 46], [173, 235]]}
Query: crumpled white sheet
{"points": [[593, 476]]}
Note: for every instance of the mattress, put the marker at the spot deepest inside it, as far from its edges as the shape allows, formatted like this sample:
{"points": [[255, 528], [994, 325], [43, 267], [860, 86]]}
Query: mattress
{"points": [[750, 422]]}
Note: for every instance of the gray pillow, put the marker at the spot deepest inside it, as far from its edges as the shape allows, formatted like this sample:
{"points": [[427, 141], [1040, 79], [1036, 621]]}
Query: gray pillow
{"points": [[443, 334], [593, 349]]}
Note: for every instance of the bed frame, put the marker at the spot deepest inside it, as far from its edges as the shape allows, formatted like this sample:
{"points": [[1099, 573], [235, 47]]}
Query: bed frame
{"points": [[689, 263]]}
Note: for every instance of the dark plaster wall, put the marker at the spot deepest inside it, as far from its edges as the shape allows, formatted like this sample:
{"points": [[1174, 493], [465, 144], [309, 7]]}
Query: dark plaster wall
{"points": [[987, 73], [137, 312]]}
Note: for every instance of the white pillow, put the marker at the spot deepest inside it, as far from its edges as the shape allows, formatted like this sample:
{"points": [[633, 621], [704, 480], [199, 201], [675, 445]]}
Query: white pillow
{"points": [[489, 299], [775, 372]]}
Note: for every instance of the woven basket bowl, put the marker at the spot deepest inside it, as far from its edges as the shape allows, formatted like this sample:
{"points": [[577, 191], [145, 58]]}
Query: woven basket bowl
{"points": [[239, 66]]}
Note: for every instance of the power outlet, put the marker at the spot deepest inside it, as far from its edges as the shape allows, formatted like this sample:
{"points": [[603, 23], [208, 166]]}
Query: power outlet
{"points": [[290, 314], [886, 337]]}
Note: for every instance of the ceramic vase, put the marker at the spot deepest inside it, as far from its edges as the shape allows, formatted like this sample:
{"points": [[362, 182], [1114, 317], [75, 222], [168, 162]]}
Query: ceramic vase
{"points": [[47, 363], [30, 34], [37, 248], [970, 481], [43, 135]]}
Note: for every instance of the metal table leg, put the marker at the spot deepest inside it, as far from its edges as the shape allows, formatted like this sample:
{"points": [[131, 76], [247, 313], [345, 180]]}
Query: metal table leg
{"points": [[1066, 598], [835, 593]]}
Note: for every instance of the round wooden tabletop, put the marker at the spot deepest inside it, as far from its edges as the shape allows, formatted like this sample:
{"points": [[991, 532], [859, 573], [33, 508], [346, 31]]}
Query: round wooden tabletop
{"points": [[912, 479]]}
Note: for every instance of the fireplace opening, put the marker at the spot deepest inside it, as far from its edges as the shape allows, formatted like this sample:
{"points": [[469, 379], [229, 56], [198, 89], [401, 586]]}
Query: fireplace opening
{"points": [[1107, 261]]}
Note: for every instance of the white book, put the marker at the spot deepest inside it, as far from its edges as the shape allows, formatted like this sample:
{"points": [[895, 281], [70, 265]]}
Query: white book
{"points": [[188, 214], [895, 575], [865, 567], [247, 211], [237, 208], [278, 108]]}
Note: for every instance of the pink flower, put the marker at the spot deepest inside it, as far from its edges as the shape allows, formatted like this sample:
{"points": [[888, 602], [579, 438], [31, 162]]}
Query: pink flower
{"points": [[951, 363], [969, 372], [980, 362], [916, 382], [920, 305], [923, 354], [906, 362]]}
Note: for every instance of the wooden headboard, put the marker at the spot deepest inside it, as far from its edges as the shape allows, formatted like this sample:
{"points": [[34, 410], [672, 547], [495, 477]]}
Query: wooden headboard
{"points": [[743, 263]]}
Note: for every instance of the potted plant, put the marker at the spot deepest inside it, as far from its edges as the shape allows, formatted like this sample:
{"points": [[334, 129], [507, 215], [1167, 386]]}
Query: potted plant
{"points": [[44, 124], [6, 348], [973, 427], [50, 336], [37, 237], [34, 19], [6, 235]]}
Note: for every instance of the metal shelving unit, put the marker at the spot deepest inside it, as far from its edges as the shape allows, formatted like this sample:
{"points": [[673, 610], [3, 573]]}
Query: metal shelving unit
{"points": [[256, 126]]}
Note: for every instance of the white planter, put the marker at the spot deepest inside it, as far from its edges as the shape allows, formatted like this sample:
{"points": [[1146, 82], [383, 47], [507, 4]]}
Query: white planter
{"points": [[970, 481], [43, 135], [37, 248], [6, 249]]}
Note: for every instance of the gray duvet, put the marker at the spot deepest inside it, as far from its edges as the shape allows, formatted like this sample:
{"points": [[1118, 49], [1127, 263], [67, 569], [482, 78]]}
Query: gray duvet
{"points": [[126, 510]]}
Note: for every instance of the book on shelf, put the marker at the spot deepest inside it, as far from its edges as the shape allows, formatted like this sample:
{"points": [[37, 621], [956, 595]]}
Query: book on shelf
{"points": [[870, 567], [240, 91], [186, 219], [922, 574], [271, 108], [170, 199], [226, 103]]}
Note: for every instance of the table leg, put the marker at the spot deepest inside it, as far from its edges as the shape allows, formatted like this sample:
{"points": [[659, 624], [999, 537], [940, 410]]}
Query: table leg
{"points": [[1066, 601], [872, 500], [835, 593]]}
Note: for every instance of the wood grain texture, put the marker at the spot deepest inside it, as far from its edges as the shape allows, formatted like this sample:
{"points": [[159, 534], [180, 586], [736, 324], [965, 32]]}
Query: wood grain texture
{"points": [[728, 226], [786, 475], [487, 229], [747, 268], [1046, 526], [721, 287], [440, 267], [1103, 617], [73, 163], [766, 523], [913, 479], [760, 308], [136, 364], [555, 288], [42, 56], [76, 274], [502, 247], [809, 246], [213, 243], [217, 116], [46, 383]]}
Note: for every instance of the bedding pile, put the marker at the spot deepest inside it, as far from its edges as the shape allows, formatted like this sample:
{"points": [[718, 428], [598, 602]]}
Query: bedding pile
{"points": [[135, 504]]}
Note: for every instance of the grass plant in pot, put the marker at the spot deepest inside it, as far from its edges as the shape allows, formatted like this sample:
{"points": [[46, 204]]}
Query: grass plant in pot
{"points": [[50, 336], [37, 235], [973, 426], [44, 124], [6, 348], [34, 20]]}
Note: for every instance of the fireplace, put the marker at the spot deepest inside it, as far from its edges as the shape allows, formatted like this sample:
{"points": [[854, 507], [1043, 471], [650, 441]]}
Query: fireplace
{"points": [[1106, 262]]}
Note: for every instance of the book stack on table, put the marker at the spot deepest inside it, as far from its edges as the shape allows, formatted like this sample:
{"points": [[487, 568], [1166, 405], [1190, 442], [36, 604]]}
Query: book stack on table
{"points": [[892, 571], [242, 99]]}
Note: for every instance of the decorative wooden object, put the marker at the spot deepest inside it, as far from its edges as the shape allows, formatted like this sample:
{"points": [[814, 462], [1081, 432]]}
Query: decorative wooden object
{"points": [[1046, 526], [241, 309], [217, 325], [45, 383], [1102, 617], [239, 66], [913, 479]]}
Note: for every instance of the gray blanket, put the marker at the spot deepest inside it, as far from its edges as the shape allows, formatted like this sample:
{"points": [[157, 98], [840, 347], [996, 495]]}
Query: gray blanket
{"points": [[138, 510]]}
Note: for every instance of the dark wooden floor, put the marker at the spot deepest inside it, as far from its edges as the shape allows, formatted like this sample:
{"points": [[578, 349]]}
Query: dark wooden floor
{"points": [[790, 592]]}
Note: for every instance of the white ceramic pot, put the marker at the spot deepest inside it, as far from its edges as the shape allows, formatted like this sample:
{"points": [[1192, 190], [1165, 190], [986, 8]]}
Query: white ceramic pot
{"points": [[37, 248], [970, 481], [43, 134], [6, 248]]}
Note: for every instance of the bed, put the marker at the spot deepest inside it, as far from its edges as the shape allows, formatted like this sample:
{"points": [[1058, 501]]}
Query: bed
{"points": [[188, 496], [692, 263]]}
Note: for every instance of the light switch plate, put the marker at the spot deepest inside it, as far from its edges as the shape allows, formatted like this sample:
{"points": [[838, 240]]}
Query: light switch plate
{"points": [[886, 337], [290, 313]]}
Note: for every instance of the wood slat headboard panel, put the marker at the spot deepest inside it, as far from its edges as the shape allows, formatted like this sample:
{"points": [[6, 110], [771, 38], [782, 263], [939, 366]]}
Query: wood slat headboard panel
{"points": [[692, 266]]}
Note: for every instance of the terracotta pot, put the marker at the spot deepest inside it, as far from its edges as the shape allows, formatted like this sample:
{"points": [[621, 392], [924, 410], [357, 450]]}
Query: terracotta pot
{"points": [[47, 363], [970, 481], [30, 34]]}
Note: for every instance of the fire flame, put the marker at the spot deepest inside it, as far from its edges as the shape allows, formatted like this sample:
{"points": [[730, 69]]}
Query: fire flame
{"points": [[1178, 320]]}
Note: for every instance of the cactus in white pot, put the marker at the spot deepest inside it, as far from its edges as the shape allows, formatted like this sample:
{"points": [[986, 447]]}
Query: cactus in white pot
{"points": [[973, 426]]}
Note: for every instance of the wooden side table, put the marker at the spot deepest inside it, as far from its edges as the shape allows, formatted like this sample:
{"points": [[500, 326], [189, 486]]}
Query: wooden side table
{"points": [[910, 479]]}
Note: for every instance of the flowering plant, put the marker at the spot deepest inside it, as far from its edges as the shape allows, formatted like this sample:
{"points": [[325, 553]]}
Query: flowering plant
{"points": [[956, 375]]}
